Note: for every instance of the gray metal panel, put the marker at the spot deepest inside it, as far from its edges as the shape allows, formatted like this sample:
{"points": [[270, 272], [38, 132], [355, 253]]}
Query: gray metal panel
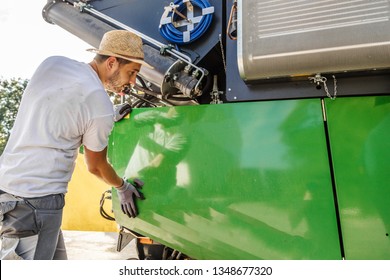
{"points": [[280, 38]]}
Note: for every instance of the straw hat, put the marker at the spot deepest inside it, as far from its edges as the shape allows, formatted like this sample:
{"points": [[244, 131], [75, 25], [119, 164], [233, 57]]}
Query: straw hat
{"points": [[123, 44]]}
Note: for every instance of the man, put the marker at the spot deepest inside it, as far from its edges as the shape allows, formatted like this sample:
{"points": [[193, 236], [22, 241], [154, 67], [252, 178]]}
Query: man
{"points": [[64, 106]]}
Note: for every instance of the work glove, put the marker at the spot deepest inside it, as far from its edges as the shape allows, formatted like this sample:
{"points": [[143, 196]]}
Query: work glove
{"points": [[121, 111], [126, 193]]}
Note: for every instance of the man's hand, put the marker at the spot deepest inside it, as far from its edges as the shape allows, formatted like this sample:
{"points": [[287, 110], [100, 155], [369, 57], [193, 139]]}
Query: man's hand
{"points": [[121, 111], [126, 194]]}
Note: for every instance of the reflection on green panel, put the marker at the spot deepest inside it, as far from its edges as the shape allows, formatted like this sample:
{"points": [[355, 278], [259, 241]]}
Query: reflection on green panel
{"points": [[359, 130], [231, 181]]}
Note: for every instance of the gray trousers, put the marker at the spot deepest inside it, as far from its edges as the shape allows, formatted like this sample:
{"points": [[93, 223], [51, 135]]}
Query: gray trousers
{"points": [[30, 227]]}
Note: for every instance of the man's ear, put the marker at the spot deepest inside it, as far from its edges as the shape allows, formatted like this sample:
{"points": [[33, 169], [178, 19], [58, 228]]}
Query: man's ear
{"points": [[110, 63]]}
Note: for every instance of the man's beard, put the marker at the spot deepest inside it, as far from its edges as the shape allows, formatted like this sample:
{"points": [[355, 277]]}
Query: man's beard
{"points": [[113, 83]]}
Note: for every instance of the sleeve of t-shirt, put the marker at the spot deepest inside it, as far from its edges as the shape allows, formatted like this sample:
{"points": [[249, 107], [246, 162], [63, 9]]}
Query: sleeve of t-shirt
{"points": [[96, 136]]}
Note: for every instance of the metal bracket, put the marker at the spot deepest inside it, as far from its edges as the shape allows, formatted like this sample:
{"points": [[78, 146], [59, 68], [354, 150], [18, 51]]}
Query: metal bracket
{"points": [[124, 238], [319, 80], [215, 92]]}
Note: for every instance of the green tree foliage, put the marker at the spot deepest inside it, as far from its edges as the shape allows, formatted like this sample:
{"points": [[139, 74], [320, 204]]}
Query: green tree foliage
{"points": [[10, 95]]}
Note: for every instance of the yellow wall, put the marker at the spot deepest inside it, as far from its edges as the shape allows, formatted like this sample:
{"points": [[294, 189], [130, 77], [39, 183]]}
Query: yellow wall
{"points": [[82, 202]]}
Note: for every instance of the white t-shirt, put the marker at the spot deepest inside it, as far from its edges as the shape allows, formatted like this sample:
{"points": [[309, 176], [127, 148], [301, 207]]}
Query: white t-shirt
{"points": [[63, 106]]}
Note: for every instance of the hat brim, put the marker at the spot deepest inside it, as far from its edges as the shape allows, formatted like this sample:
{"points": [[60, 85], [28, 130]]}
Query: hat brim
{"points": [[108, 53]]}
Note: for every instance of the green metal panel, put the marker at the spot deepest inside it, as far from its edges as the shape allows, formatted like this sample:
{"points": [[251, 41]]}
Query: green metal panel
{"points": [[359, 131], [231, 181]]}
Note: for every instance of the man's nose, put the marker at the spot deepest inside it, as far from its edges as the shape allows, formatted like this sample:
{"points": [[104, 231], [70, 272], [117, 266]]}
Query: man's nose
{"points": [[133, 79]]}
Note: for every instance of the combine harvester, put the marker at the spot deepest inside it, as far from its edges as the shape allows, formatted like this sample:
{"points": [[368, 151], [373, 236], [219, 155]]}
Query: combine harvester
{"points": [[263, 131]]}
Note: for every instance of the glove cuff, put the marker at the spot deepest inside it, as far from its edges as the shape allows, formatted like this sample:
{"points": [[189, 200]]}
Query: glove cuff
{"points": [[122, 187]]}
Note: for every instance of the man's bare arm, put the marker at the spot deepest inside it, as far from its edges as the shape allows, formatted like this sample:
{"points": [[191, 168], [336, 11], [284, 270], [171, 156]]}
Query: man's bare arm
{"points": [[98, 165]]}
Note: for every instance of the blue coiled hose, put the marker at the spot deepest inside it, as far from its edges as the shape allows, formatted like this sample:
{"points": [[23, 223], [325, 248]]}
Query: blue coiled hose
{"points": [[173, 35]]}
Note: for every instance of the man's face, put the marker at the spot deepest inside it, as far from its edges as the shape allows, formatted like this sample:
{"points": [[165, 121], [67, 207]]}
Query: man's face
{"points": [[122, 75]]}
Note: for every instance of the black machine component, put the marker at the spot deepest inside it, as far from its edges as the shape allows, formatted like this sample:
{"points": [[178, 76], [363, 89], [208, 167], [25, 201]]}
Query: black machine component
{"points": [[176, 77], [245, 53], [279, 50]]}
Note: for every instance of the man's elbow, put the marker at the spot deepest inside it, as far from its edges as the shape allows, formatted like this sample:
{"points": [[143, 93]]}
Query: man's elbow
{"points": [[93, 170], [96, 162]]}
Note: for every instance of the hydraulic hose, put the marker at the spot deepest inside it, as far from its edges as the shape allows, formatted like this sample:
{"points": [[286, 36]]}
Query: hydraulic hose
{"points": [[172, 34]]}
